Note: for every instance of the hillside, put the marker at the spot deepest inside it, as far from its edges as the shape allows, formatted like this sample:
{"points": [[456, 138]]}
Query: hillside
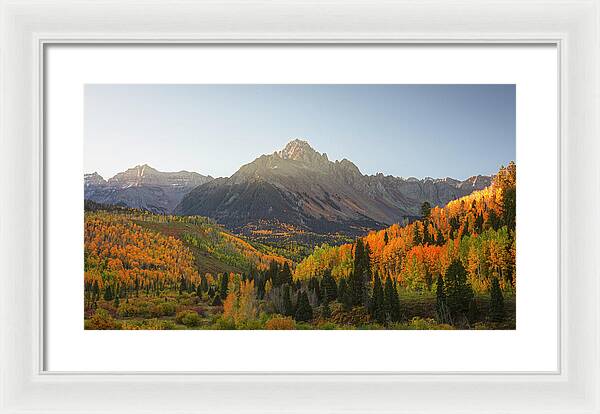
{"points": [[213, 250], [477, 229], [301, 188], [143, 187]]}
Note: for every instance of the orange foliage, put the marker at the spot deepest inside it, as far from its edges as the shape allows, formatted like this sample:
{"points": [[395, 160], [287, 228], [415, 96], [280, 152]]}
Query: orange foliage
{"points": [[118, 251]]}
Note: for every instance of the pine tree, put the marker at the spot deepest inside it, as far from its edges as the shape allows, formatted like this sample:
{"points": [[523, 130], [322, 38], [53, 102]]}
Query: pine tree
{"points": [[329, 289], [443, 315], [390, 296], [386, 239], [326, 311], [273, 274], [304, 311], [416, 235], [496, 302], [426, 237], [395, 311], [108, 293], [288, 308], [425, 210], [286, 274], [313, 284], [361, 275], [458, 290], [224, 286], [478, 227], [377, 305], [345, 295], [96, 291]]}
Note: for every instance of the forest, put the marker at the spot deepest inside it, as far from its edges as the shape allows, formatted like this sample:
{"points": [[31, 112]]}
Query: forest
{"points": [[452, 268]]}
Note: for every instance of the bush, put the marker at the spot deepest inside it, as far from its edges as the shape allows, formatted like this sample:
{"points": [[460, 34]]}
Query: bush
{"points": [[422, 324], [131, 309], [356, 316], [148, 324], [163, 309], [328, 326], [280, 323], [224, 324], [102, 321], [188, 318]]}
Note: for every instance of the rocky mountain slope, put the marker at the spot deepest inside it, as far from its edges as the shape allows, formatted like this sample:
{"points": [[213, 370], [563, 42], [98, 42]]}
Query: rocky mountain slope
{"points": [[301, 187], [143, 187]]}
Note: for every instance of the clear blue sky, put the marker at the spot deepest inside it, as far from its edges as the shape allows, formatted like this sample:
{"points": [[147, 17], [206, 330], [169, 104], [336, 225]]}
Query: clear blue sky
{"points": [[401, 130]]}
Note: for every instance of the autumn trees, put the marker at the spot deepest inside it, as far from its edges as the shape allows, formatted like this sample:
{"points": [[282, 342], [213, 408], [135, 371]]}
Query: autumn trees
{"points": [[121, 257], [478, 230]]}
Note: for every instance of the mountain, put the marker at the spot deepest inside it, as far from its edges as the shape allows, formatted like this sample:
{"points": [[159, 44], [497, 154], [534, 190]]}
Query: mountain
{"points": [[143, 187], [301, 187]]}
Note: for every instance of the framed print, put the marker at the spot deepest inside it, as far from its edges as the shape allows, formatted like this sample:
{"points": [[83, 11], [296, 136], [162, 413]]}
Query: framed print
{"points": [[326, 215]]}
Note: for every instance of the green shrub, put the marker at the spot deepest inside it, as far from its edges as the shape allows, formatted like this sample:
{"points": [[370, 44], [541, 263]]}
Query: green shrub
{"points": [[188, 318], [102, 321], [224, 324], [148, 324], [163, 309], [328, 326]]}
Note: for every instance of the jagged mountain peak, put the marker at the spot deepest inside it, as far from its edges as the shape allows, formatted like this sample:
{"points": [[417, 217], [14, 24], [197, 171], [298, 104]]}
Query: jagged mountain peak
{"points": [[144, 187], [300, 150], [93, 179]]}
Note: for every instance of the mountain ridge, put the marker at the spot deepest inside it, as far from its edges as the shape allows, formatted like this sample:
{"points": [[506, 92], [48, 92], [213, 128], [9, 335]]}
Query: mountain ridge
{"points": [[302, 187], [143, 187]]}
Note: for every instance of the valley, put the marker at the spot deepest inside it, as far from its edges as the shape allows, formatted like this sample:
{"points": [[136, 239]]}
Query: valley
{"points": [[293, 240]]}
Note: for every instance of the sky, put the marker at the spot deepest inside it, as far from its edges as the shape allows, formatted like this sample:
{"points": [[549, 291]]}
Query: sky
{"points": [[402, 130]]}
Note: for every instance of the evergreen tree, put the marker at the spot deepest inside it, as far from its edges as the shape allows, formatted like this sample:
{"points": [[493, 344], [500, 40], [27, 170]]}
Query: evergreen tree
{"points": [[224, 286], [286, 274], [326, 310], [389, 298], [108, 293], [313, 284], [377, 303], [328, 287], [473, 314], [116, 303], [496, 302], [273, 274], [386, 239], [395, 311], [439, 238], [509, 206], [361, 275], [345, 294], [425, 210], [416, 235], [96, 291], [479, 224], [304, 311], [459, 293], [426, 237], [443, 315], [288, 308]]}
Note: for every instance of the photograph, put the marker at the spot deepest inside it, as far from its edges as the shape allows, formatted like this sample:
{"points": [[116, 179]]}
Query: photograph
{"points": [[299, 207]]}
